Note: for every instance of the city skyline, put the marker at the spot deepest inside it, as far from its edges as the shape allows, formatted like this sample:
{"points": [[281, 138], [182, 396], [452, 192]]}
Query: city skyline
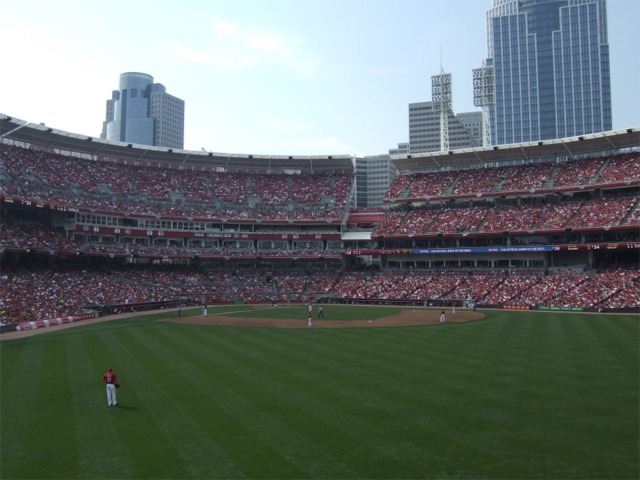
{"points": [[143, 112], [278, 77], [549, 65]]}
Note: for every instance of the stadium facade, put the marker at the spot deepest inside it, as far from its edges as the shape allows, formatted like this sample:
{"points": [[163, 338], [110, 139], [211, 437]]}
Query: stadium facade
{"points": [[550, 62], [142, 112], [545, 224]]}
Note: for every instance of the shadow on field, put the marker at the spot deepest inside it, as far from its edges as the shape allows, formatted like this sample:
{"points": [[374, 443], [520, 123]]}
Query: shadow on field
{"points": [[126, 407]]}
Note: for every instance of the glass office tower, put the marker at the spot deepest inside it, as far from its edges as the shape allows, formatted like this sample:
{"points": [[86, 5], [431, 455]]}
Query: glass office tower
{"points": [[551, 69], [142, 112]]}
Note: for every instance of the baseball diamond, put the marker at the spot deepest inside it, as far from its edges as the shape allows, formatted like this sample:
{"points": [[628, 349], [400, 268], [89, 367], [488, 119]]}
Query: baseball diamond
{"points": [[480, 319], [251, 392]]}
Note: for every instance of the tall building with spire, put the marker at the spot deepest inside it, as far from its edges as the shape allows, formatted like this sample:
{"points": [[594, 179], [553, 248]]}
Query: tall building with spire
{"points": [[550, 69], [142, 112], [434, 127]]}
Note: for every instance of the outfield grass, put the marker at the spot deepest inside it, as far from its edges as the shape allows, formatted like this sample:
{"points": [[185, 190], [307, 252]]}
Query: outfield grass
{"points": [[515, 395]]}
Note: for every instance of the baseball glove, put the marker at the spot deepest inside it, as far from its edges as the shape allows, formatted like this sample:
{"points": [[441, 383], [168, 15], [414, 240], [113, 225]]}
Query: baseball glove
{"points": [[117, 385]]}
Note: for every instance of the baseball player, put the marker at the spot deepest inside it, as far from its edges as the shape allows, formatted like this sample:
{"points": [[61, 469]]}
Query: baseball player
{"points": [[310, 316], [111, 380], [443, 316]]}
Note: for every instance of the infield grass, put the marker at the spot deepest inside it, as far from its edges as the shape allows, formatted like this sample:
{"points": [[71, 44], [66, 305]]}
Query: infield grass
{"points": [[514, 395]]}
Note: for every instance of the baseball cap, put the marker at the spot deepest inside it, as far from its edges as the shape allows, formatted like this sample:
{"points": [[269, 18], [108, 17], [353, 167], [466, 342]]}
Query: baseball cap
{"points": [[110, 369]]}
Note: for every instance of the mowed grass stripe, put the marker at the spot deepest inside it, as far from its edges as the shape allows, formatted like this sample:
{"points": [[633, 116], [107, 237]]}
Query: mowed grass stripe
{"points": [[237, 407], [361, 404], [235, 373], [605, 389], [21, 365], [87, 359], [468, 398], [554, 352], [533, 351], [280, 393], [528, 391], [333, 418], [561, 406], [160, 424], [48, 416], [250, 391], [542, 387], [430, 425]]}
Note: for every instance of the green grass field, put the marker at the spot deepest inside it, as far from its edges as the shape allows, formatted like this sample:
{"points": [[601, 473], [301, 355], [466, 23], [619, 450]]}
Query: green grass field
{"points": [[514, 395]]}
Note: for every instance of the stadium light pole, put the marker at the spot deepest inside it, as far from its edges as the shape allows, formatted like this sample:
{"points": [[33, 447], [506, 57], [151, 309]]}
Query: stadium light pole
{"points": [[484, 97], [441, 98]]}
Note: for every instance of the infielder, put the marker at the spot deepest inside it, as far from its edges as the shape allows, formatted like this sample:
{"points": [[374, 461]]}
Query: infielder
{"points": [[443, 316]]}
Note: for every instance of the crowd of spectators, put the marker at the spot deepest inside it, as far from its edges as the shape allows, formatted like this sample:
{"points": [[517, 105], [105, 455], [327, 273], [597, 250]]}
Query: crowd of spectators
{"points": [[389, 223], [417, 222], [597, 212], [31, 294], [479, 180], [573, 173], [578, 172], [605, 289], [593, 213], [431, 184], [169, 190], [38, 236], [458, 220], [621, 168], [510, 217], [399, 185], [525, 178], [603, 211], [28, 236], [39, 293], [555, 216]]}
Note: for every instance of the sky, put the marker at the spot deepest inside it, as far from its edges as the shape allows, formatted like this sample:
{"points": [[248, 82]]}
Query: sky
{"points": [[267, 77]]}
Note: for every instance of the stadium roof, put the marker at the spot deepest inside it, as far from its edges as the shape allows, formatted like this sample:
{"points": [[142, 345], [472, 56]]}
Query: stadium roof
{"points": [[41, 135], [487, 156], [50, 138]]}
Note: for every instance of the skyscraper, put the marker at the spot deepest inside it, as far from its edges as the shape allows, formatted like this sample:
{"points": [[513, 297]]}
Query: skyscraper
{"points": [[433, 127], [142, 112], [550, 61], [373, 176], [425, 129]]}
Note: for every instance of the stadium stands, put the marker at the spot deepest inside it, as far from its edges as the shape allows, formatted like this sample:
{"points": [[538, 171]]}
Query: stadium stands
{"points": [[79, 233]]}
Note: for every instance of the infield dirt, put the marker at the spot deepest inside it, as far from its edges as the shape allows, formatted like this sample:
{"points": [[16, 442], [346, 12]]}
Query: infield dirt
{"points": [[405, 319], [408, 318]]}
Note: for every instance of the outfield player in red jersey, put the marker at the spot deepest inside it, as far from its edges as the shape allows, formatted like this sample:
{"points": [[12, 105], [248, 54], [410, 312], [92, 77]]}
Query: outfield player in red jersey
{"points": [[110, 379], [443, 316]]}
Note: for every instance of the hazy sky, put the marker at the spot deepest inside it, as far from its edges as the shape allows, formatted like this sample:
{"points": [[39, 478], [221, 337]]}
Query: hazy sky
{"points": [[274, 77]]}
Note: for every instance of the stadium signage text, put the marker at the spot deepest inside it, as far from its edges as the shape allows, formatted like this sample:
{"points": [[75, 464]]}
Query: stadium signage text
{"points": [[537, 248], [170, 233]]}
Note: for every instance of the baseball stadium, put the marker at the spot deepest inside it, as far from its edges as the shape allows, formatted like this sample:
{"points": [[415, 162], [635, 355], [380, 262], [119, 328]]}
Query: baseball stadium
{"points": [[482, 323]]}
